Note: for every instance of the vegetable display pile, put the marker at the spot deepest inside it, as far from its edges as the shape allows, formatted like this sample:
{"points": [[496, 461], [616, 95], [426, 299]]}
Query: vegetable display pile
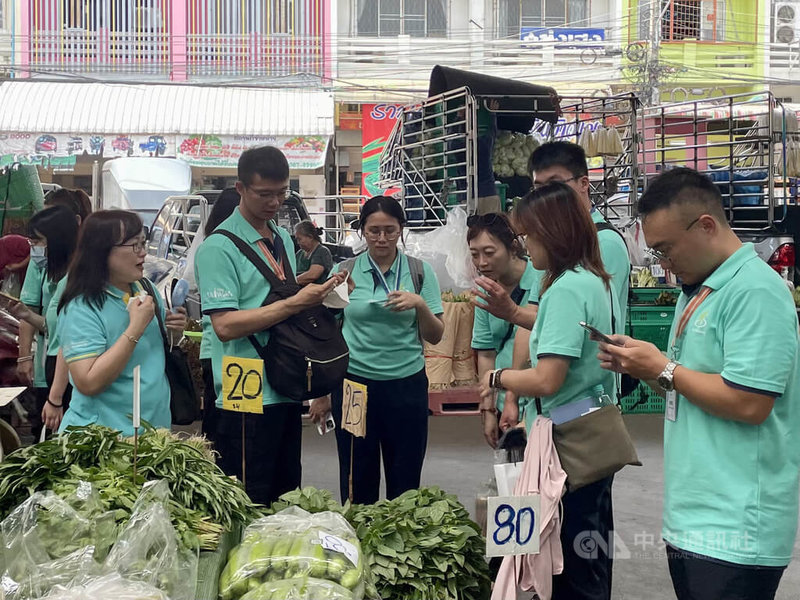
{"points": [[203, 501], [450, 296], [796, 295], [420, 545], [643, 278], [294, 554], [511, 153]]}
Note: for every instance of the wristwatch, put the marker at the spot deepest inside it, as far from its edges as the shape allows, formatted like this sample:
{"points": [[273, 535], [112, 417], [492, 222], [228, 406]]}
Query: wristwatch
{"points": [[667, 378]]}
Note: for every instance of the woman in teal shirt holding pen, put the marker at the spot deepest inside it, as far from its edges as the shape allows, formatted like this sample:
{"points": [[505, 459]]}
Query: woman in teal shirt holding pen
{"points": [[395, 303], [107, 328], [497, 253], [562, 241]]}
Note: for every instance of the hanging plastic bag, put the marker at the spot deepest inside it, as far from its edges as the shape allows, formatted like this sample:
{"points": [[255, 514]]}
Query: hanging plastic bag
{"points": [[111, 587], [297, 556], [148, 549], [12, 285]]}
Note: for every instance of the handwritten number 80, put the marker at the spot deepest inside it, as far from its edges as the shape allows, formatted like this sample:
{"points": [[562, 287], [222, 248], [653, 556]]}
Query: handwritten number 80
{"points": [[506, 518]]}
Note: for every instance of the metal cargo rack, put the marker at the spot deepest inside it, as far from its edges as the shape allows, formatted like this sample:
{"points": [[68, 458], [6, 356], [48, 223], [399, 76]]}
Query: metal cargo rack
{"points": [[613, 177], [740, 141]]}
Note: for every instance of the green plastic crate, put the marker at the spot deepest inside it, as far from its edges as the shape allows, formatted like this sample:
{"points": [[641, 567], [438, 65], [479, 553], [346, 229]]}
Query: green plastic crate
{"points": [[652, 324], [648, 295], [643, 400]]}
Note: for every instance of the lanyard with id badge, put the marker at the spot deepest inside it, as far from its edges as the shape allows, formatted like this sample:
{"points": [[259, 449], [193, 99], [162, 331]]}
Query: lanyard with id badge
{"points": [[671, 409], [382, 279]]}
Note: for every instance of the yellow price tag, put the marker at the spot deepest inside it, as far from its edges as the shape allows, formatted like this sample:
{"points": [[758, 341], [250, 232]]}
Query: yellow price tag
{"points": [[354, 408], [242, 384]]}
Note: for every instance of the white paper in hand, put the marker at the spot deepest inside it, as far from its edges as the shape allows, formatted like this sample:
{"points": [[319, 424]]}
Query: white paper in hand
{"points": [[338, 297]]}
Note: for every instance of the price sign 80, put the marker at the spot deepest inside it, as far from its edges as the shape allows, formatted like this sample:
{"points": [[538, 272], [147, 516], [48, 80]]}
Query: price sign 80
{"points": [[513, 525]]}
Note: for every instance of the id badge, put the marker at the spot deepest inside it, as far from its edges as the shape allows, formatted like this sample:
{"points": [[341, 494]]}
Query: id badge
{"points": [[671, 411]]}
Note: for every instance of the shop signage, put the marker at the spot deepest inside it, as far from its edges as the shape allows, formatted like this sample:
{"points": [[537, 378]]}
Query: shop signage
{"points": [[377, 122]]}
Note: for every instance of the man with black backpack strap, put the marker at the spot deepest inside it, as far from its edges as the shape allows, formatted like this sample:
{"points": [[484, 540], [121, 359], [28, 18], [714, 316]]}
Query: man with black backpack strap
{"points": [[247, 286]]}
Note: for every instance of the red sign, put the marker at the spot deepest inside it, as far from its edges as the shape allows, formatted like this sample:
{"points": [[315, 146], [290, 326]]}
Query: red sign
{"points": [[377, 121]]}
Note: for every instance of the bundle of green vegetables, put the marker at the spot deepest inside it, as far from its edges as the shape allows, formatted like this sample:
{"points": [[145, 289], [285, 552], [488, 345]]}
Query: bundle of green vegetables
{"points": [[511, 153], [420, 545], [203, 501], [295, 554], [796, 295]]}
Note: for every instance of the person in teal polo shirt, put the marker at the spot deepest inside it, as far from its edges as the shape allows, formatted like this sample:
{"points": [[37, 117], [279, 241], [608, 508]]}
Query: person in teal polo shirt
{"points": [[223, 208], [562, 241], [384, 325], [732, 385], [232, 293], [498, 254], [106, 326]]}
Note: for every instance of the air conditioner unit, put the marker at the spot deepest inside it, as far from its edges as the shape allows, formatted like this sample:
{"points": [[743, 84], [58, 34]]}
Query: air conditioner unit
{"points": [[786, 23]]}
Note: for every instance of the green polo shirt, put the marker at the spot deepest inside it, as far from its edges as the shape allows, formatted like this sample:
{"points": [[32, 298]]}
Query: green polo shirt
{"points": [[229, 281], [617, 263], [36, 293], [490, 333], [51, 317], [577, 295], [384, 344], [87, 331], [731, 489]]}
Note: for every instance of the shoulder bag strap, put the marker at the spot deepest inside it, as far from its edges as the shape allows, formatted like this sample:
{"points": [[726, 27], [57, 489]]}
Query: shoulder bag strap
{"points": [[417, 271], [145, 283], [252, 256]]}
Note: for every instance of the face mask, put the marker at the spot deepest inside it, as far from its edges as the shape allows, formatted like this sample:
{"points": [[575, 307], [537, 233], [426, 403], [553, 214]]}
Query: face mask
{"points": [[38, 256]]}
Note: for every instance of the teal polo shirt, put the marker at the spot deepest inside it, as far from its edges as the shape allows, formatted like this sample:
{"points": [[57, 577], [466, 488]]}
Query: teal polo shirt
{"points": [[229, 281], [384, 344], [36, 293], [87, 331], [490, 333], [731, 489], [577, 295], [617, 263], [209, 335], [51, 318]]}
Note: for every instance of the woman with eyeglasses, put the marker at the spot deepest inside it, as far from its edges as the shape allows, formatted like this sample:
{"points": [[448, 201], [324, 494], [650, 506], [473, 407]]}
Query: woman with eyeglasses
{"points": [[314, 261], [395, 304], [498, 255], [53, 234], [107, 327], [562, 241]]}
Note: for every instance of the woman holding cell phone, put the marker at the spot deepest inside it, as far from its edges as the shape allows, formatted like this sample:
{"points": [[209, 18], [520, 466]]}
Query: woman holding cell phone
{"points": [[562, 241], [108, 327]]}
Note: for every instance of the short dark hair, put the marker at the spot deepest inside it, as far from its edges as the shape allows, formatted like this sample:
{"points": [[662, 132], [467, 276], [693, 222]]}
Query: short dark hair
{"points": [[265, 161], [88, 272], [384, 204], [682, 185], [58, 226], [309, 229], [71, 200], [223, 208], [497, 225], [570, 156]]}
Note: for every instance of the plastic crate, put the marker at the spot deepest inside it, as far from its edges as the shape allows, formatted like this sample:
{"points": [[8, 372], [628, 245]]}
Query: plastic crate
{"points": [[652, 323], [648, 295], [643, 400]]}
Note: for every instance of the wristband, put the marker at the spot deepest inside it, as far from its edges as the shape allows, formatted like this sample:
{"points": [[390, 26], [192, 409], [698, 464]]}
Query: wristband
{"points": [[23, 359], [55, 405], [131, 338], [496, 381]]}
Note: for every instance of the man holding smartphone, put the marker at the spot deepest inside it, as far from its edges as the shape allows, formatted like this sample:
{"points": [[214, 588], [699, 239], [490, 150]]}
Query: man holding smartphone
{"points": [[732, 383]]}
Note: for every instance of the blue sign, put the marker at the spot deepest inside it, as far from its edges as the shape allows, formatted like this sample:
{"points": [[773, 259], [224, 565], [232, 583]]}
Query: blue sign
{"points": [[562, 35]]}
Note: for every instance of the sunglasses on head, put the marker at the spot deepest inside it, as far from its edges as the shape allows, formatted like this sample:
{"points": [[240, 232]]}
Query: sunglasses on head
{"points": [[489, 219]]}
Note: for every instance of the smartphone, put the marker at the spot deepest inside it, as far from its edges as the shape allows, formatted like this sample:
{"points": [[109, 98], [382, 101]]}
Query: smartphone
{"points": [[327, 425], [599, 335]]}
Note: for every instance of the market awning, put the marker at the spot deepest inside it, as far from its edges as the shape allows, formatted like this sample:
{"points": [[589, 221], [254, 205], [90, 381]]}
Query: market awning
{"points": [[113, 108], [51, 123]]}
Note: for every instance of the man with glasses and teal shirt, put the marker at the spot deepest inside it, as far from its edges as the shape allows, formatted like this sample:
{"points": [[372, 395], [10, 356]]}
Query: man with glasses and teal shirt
{"points": [[731, 379], [232, 293]]}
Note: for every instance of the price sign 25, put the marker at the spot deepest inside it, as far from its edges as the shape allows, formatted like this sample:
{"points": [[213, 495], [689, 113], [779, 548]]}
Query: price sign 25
{"points": [[354, 408], [513, 525]]}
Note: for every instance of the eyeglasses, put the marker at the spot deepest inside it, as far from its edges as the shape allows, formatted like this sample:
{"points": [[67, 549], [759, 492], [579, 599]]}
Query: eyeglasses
{"points": [[663, 256], [374, 236], [537, 186], [280, 195], [137, 247]]}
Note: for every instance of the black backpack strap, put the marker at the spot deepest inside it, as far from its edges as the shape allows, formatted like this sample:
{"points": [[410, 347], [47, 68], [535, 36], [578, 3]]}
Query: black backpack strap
{"points": [[148, 287], [417, 270], [606, 226], [252, 256]]}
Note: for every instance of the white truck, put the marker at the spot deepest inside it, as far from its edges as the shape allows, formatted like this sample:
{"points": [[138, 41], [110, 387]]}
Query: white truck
{"points": [[142, 184]]}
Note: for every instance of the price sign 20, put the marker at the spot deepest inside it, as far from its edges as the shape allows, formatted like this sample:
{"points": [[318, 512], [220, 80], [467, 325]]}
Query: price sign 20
{"points": [[513, 525]]}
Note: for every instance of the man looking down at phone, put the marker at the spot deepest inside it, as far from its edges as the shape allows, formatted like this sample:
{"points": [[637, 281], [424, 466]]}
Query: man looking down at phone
{"points": [[562, 241], [232, 291], [731, 375]]}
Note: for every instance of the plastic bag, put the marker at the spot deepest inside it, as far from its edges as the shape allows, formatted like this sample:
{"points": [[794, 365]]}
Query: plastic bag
{"points": [[298, 556], [47, 542], [148, 549], [111, 586], [446, 250], [12, 284]]}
